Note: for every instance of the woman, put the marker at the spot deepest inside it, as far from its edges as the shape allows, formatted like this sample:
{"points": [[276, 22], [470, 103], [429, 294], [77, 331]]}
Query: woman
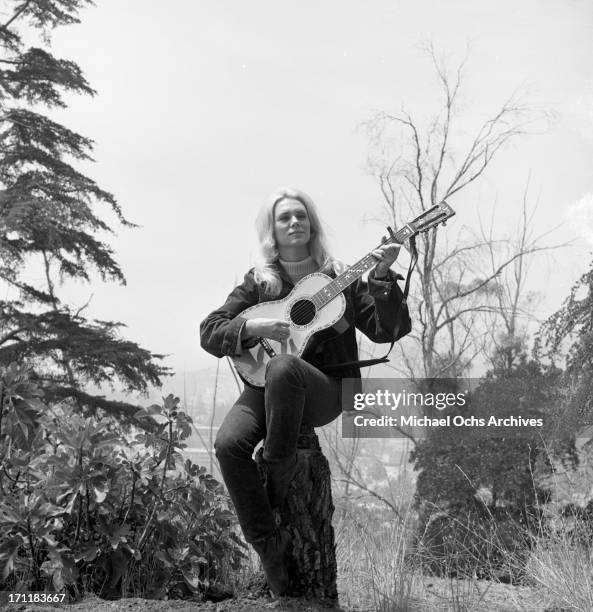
{"points": [[297, 390]]}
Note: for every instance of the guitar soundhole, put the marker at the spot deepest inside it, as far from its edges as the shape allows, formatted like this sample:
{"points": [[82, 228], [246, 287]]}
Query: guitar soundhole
{"points": [[302, 312]]}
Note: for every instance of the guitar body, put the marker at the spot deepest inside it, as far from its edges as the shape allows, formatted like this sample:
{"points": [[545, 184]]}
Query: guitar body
{"points": [[304, 317]]}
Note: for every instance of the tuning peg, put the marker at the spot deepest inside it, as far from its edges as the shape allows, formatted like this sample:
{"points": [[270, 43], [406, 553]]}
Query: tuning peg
{"points": [[444, 223]]}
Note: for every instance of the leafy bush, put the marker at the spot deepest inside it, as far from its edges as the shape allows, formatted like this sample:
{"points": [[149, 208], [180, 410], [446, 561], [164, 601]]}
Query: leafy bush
{"points": [[88, 506]]}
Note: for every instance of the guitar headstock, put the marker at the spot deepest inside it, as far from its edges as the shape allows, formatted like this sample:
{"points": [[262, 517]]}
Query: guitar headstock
{"points": [[439, 213]]}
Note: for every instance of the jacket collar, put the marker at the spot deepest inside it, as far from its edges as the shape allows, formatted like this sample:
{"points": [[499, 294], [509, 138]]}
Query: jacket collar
{"points": [[283, 274]]}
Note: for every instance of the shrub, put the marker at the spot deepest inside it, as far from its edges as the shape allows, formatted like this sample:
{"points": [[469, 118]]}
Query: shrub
{"points": [[89, 506]]}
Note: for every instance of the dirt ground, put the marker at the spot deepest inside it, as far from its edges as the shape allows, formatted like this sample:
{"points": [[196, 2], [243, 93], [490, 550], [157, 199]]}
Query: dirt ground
{"points": [[437, 595], [243, 604]]}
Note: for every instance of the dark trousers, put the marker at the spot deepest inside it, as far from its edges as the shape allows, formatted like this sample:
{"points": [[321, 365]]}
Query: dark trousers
{"points": [[295, 393]]}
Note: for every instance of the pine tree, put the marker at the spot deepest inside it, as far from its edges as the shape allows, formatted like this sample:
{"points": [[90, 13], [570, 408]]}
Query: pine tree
{"points": [[48, 218]]}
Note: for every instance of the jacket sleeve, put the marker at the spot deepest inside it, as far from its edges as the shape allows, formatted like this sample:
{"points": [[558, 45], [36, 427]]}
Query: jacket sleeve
{"points": [[220, 331], [380, 313]]}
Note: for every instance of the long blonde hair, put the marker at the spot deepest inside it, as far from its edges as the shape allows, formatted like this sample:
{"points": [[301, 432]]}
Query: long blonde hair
{"points": [[265, 270]]}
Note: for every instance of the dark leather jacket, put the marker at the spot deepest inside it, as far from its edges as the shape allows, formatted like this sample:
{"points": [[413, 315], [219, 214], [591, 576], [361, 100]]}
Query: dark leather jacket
{"points": [[375, 308]]}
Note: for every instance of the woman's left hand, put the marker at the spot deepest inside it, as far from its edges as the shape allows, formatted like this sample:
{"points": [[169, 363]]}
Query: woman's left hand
{"points": [[386, 255]]}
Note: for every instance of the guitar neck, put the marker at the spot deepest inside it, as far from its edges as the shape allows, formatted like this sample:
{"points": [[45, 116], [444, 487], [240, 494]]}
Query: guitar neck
{"points": [[353, 273]]}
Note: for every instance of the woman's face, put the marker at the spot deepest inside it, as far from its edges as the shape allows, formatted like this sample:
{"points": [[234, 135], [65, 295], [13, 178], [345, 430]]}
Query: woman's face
{"points": [[292, 227]]}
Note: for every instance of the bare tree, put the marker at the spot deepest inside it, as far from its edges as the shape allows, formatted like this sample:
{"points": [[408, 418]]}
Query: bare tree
{"points": [[471, 294], [513, 305], [417, 168]]}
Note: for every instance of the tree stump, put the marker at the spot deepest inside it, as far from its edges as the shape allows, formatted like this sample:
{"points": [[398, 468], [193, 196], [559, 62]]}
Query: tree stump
{"points": [[307, 514]]}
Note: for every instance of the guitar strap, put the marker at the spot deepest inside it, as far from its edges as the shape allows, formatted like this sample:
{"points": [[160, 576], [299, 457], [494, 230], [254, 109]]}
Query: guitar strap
{"points": [[366, 363]]}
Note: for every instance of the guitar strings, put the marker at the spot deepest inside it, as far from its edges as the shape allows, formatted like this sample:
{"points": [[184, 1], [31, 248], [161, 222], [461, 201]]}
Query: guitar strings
{"points": [[365, 263], [301, 309], [315, 298]]}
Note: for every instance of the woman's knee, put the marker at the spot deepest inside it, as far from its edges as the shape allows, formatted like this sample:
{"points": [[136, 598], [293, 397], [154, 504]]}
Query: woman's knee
{"points": [[229, 445], [285, 367]]}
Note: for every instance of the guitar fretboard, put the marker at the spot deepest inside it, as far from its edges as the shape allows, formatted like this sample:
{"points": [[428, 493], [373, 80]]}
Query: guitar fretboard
{"points": [[344, 280]]}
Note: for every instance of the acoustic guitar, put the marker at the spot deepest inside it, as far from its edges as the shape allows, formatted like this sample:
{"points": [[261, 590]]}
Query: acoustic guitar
{"points": [[317, 302]]}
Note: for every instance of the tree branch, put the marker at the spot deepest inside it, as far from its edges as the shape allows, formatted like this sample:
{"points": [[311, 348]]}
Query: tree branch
{"points": [[16, 15]]}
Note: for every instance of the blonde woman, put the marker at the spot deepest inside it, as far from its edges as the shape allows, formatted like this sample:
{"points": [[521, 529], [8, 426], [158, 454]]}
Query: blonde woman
{"points": [[297, 389]]}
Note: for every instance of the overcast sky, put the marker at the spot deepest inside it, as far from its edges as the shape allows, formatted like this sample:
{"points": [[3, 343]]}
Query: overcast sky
{"points": [[205, 108]]}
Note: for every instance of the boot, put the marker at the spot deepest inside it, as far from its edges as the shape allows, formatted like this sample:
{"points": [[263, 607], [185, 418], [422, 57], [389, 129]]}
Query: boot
{"points": [[272, 552], [279, 475]]}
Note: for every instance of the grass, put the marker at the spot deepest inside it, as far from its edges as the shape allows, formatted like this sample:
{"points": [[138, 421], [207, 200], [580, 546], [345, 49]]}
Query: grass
{"points": [[380, 569], [561, 566], [372, 565], [379, 564]]}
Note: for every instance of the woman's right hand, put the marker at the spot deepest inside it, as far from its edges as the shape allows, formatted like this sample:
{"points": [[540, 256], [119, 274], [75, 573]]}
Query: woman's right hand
{"points": [[274, 329]]}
